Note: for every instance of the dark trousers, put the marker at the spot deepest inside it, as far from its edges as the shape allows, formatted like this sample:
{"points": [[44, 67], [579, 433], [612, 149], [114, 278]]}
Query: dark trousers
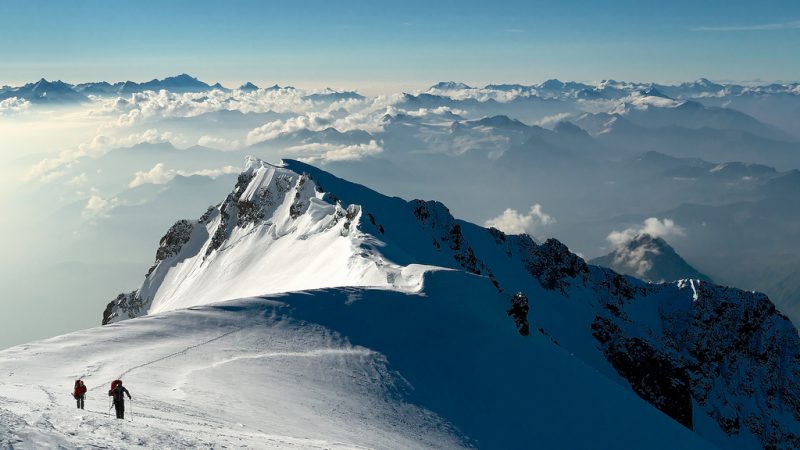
{"points": [[80, 401], [119, 405]]}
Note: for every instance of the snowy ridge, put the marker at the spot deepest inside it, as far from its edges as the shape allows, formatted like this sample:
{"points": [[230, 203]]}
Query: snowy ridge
{"points": [[720, 361], [277, 219]]}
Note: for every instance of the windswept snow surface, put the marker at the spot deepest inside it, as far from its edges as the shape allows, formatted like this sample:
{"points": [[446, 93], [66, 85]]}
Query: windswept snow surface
{"points": [[334, 368]]}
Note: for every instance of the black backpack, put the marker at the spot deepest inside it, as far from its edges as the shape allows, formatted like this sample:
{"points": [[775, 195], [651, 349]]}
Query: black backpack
{"points": [[118, 393]]}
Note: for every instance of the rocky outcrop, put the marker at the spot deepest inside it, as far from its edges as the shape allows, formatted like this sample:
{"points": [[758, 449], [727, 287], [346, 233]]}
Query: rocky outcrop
{"points": [[654, 375], [519, 313], [375, 223], [130, 305], [552, 264], [172, 242], [728, 351], [447, 233], [251, 203]]}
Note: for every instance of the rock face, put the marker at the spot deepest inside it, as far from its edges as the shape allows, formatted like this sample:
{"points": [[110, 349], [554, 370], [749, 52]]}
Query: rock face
{"points": [[728, 351], [553, 264], [128, 304], [652, 373], [519, 312], [172, 242], [720, 361]]}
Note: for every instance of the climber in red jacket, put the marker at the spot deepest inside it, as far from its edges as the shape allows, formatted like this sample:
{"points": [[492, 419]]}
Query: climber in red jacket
{"points": [[79, 393]]}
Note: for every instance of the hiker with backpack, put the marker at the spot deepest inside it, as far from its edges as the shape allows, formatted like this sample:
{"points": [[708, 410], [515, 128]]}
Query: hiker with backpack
{"points": [[118, 392], [79, 393]]}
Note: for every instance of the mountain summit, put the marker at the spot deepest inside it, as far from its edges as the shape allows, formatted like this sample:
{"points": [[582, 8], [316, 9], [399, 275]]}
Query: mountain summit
{"points": [[651, 259]]}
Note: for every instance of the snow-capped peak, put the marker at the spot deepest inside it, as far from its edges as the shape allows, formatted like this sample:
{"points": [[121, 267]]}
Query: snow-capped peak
{"points": [[449, 86], [248, 87], [644, 100], [276, 232]]}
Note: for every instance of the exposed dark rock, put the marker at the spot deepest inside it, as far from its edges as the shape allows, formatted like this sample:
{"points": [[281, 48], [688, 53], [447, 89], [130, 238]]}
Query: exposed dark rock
{"points": [[221, 232], [241, 183], [519, 312], [108, 312], [172, 242], [300, 204], [498, 235], [375, 223], [729, 351], [654, 375], [249, 212], [350, 216], [552, 263], [421, 210], [130, 304], [206, 217]]}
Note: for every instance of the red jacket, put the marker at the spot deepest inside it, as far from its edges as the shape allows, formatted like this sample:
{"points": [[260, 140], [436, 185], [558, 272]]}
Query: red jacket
{"points": [[79, 390]]}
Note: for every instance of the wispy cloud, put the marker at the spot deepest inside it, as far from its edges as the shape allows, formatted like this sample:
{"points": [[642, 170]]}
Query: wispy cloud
{"points": [[652, 226], [515, 222], [327, 152], [160, 175], [758, 27]]}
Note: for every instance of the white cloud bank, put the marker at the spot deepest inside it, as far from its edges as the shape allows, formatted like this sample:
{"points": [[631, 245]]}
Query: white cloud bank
{"points": [[326, 152], [161, 175], [514, 222], [97, 206], [51, 168], [218, 143], [277, 128], [653, 226], [13, 105]]}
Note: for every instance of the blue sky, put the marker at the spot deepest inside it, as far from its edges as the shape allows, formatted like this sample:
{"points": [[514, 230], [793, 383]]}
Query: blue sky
{"points": [[384, 45]]}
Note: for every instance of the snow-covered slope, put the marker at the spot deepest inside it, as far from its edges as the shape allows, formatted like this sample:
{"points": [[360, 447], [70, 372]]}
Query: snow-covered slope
{"points": [[335, 368], [239, 375]]}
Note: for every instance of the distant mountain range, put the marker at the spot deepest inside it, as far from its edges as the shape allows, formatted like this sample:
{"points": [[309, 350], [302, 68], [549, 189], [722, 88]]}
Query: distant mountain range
{"points": [[612, 89], [44, 91]]}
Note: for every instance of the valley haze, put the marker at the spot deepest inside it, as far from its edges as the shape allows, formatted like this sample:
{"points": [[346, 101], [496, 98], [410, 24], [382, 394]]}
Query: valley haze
{"points": [[412, 225]]}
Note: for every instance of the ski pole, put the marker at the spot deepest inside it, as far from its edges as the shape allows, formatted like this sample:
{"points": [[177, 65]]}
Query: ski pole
{"points": [[131, 409]]}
